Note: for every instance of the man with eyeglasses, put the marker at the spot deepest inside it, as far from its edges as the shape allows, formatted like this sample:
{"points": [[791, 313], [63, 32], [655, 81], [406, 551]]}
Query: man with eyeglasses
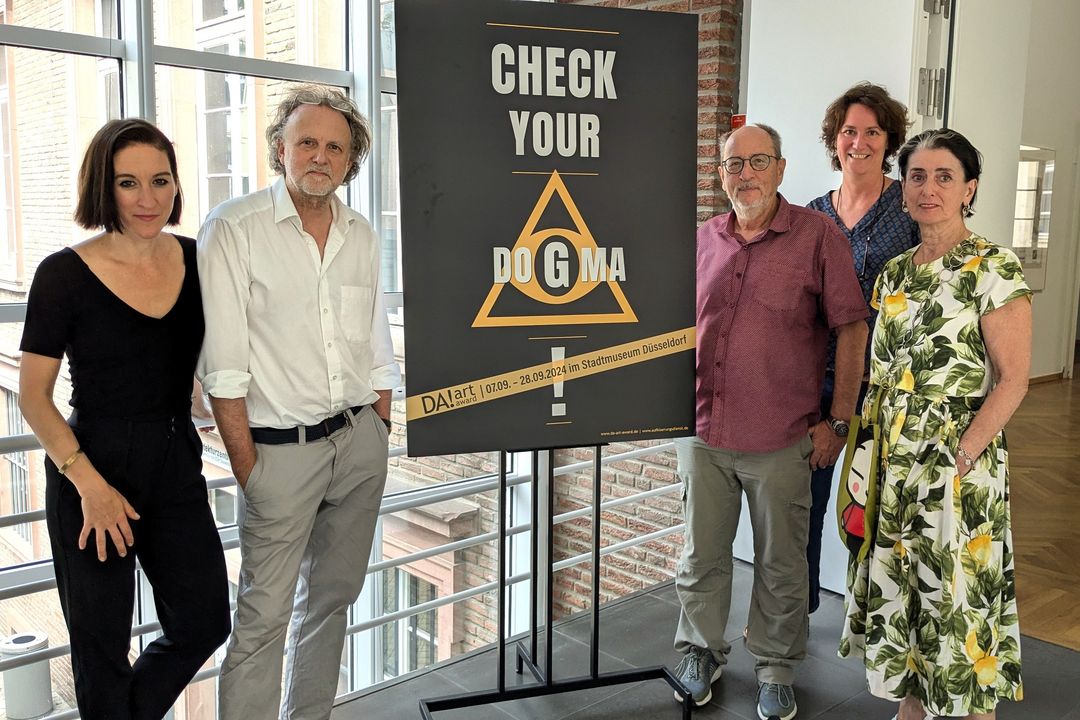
{"points": [[772, 279], [299, 366]]}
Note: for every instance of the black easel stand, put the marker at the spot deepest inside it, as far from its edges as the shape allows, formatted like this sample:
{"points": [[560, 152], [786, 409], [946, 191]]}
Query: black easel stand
{"points": [[546, 685]]}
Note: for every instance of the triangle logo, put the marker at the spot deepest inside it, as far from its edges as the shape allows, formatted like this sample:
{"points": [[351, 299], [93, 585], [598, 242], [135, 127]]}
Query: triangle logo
{"points": [[596, 269]]}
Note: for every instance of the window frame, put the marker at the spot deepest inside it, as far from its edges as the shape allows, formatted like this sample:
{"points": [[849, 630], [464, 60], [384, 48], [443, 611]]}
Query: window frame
{"points": [[10, 248], [1033, 247], [18, 466], [135, 60], [405, 632]]}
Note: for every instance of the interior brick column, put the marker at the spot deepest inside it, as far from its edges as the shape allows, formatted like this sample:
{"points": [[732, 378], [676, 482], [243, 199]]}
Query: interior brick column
{"points": [[719, 46]]}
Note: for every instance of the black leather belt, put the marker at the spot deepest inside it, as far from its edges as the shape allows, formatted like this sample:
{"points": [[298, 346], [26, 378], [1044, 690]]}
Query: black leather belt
{"points": [[284, 436]]}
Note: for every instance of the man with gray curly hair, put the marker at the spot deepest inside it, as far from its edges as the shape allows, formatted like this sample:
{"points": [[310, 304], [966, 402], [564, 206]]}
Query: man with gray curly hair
{"points": [[299, 366]]}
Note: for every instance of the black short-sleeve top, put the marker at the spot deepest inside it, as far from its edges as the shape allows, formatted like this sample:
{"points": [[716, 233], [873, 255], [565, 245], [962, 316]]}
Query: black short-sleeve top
{"points": [[123, 364]]}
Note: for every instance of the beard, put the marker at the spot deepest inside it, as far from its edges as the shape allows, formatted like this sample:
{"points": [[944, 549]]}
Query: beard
{"points": [[744, 207], [316, 185]]}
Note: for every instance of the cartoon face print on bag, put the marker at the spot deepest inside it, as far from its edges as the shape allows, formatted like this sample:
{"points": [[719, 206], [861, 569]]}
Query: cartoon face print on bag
{"points": [[854, 515]]}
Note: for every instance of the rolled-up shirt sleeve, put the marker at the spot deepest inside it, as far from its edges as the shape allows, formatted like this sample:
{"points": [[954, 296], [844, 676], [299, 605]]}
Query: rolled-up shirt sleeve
{"points": [[225, 275]]}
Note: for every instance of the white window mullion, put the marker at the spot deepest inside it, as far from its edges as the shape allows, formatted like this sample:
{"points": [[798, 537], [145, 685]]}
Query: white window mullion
{"points": [[137, 28]]}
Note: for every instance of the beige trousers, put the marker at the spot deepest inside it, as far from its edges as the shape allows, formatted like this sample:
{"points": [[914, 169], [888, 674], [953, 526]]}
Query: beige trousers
{"points": [[306, 525], [777, 488]]}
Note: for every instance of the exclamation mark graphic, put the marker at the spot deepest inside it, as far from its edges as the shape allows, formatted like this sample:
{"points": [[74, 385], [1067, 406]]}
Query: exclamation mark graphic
{"points": [[558, 356]]}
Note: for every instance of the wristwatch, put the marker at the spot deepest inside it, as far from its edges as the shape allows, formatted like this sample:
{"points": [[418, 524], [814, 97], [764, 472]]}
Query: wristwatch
{"points": [[840, 427]]}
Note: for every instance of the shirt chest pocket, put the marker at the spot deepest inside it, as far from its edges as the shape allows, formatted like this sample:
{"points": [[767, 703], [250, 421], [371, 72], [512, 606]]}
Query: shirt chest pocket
{"points": [[780, 287], [355, 312]]}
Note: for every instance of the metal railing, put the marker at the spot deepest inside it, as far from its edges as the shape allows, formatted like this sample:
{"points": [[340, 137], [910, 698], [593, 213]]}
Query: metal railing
{"points": [[37, 576], [391, 504]]}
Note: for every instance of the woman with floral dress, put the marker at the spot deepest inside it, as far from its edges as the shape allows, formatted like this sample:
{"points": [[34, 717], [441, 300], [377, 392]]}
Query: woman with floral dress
{"points": [[932, 608]]}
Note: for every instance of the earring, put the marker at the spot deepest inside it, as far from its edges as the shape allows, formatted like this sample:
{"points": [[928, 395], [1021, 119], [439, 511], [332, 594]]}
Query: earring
{"points": [[965, 208], [903, 205]]}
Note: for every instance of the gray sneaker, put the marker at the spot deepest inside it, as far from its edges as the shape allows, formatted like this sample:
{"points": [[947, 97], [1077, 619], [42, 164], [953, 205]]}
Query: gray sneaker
{"points": [[775, 702], [697, 671]]}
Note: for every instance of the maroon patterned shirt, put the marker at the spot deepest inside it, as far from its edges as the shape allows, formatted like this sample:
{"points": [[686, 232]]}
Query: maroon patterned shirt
{"points": [[764, 309]]}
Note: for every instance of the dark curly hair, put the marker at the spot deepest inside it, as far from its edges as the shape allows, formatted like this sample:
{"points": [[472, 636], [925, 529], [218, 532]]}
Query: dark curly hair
{"points": [[891, 116]]}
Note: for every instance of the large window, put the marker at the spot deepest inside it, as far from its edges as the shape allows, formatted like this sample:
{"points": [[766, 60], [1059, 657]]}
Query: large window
{"points": [[389, 196], [51, 103], [8, 239], [223, 106], [1031, 218], [108, 69], [17, 467], [409, 644], [1034, 191], [387, 43], [211, 84], [224, 137], [305, 32]]}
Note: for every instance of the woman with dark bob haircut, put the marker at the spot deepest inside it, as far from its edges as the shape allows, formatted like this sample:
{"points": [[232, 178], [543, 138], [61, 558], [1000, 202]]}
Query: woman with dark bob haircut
{"points": [[931, 607], [124, 471], [862, 130]]}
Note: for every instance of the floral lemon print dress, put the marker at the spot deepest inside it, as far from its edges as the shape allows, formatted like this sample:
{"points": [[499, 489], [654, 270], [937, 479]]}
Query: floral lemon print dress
{"points": [[932, 608]]}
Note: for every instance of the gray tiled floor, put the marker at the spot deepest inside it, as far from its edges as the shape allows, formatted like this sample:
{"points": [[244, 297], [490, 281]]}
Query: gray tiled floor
{"points": [[637, 632]]}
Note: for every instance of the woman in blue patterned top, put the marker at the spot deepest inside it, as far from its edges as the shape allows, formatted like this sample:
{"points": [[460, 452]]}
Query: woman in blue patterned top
{"points": [[862, 130]]}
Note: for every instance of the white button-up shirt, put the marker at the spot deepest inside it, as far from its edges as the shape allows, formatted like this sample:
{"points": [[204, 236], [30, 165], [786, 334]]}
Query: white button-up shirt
{"points": [[301, 337]]}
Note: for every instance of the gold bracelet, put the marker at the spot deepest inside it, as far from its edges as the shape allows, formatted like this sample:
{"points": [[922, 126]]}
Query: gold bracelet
{"points": [[70, 461]]}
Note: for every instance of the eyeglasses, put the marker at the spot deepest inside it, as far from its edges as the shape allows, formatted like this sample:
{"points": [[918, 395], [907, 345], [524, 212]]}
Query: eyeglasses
{"points": [[758, 161], [307, 97]]}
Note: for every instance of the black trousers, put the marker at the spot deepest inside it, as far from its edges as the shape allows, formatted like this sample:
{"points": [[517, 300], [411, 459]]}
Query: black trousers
{"points": [[157, 466], [820, 492]]}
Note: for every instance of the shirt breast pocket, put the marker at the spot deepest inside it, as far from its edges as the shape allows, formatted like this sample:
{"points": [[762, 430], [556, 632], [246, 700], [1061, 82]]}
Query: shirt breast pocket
{"points": [[355, 312], [781, 287]]}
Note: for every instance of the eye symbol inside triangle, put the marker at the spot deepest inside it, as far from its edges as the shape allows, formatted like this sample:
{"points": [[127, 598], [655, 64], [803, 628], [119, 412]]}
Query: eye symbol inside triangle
{"points": [[598, 268]]}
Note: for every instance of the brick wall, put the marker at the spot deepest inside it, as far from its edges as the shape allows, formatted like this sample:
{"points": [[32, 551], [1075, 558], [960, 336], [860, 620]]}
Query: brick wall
{"points": [[624, 571], [279, 30], [719, 43]]}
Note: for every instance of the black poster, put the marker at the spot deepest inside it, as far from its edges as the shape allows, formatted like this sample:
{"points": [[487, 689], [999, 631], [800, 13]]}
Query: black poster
{"points": [[548, 165]]}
